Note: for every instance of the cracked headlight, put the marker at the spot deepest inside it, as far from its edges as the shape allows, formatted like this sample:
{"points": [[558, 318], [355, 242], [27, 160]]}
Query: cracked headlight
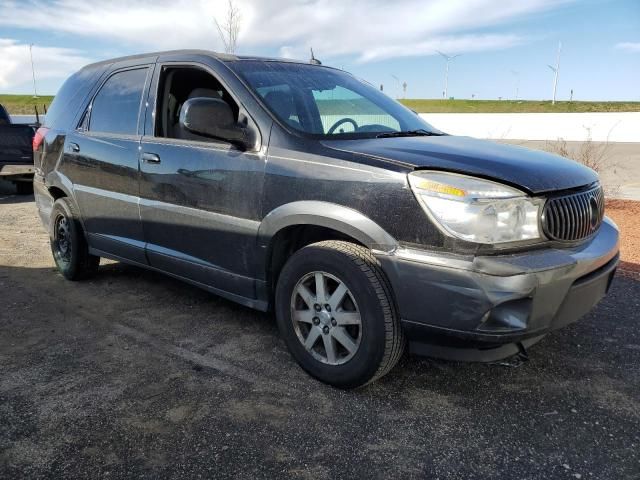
{"points": [[477, 210]]}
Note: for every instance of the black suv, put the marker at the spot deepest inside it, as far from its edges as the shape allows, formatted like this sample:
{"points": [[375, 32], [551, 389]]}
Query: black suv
{"points": [[299, 188]]}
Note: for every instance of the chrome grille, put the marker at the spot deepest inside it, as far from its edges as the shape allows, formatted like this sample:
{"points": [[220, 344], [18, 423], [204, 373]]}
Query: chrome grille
{"points": [[573, 217]]}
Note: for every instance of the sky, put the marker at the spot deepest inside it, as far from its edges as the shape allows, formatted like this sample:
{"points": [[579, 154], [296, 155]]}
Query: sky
{"points": [[504, 46]]}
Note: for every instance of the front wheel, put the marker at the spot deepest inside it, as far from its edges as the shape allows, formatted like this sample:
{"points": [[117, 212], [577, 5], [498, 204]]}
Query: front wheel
{"points": [[336, 314], [68, 244]]}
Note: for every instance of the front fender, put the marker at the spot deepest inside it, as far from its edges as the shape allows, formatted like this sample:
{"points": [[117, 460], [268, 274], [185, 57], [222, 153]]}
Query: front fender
{"points": [[330, 215]]}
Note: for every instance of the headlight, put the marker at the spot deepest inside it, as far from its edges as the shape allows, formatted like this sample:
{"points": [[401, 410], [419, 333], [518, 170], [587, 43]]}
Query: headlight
{"points": [[475, 209]]}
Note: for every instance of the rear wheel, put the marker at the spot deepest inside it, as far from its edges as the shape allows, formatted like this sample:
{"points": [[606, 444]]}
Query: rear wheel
{"points": [[68, 244], [336, 314]]}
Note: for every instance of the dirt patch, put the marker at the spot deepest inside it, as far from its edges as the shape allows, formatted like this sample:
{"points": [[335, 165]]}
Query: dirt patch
{"points": [[626, 214]]}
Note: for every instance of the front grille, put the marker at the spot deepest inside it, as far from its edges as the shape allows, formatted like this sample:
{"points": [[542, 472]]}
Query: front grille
{"points": [[573, 217]]}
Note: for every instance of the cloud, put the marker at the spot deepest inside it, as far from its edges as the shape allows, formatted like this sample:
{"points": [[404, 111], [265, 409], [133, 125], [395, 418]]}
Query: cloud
{"points": [[50, 62], [364, 30], [134, 23], [375, 29], [449, 44], [368, 29], [633, 47]]}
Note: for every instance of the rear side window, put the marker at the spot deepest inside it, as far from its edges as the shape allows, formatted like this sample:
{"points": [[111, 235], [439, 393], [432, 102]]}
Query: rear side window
{"points": [[116, 107], [70, 98]]}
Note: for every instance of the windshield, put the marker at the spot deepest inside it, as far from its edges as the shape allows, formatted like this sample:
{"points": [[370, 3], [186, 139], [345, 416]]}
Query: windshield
{"points": [[326, 103]]}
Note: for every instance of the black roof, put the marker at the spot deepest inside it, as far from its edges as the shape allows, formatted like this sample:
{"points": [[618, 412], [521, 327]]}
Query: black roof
{"points": [[225, 57]]}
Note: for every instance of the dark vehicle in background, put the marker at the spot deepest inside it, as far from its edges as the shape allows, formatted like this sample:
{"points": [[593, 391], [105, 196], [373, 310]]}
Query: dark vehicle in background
{"points": [[16, 153], [297, 188]]}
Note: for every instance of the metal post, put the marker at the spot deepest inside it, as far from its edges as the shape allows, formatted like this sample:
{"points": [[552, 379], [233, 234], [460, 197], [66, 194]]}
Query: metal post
{"points": [[33, 71]]}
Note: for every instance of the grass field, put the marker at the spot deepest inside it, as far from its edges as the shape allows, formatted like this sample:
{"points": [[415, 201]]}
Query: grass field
{"points": [[516, 106], [23, 104]]}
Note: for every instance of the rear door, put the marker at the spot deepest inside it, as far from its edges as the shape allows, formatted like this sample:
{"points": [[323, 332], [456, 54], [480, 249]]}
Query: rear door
{"points": [[102, 159]]}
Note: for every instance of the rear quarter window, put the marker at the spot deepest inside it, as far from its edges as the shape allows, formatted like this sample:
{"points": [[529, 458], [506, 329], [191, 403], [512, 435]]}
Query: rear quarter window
{"points": [[70, 98], [116, 107]]}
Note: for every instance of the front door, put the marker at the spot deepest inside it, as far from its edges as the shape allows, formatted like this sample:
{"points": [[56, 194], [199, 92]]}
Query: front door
{"points": [[199, 197]]}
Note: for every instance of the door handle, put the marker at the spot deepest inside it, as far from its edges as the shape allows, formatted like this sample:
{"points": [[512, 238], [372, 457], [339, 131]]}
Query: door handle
{"points": [[150, 157], [74, 147]]}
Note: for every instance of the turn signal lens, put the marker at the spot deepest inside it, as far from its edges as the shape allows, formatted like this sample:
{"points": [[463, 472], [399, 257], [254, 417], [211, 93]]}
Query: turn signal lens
{"points": [[437, 187]]}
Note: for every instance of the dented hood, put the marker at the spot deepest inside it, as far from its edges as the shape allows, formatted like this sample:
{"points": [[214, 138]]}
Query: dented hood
{"points": [[533, 170]]}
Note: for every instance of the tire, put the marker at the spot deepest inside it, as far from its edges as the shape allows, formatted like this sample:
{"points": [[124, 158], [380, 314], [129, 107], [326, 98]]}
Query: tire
{"points": [[68, 244], [373, 346], [24, 188]]}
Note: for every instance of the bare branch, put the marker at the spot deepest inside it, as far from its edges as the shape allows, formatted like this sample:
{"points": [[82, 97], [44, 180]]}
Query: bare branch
{"points": [[596, 156], [229, 27]]}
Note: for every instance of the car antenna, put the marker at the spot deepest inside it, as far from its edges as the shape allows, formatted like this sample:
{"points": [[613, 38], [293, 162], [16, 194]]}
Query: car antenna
{"points": [[314, 60]]}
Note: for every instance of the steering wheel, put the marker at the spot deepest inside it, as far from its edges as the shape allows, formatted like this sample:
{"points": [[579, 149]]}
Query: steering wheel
{"points": [[340, 122]]}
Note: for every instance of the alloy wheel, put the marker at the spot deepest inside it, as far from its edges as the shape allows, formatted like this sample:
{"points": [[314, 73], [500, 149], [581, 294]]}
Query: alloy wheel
{"points": [[326, 318]]}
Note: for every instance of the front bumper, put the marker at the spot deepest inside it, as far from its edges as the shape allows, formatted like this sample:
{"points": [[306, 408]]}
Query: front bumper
{"points": [[486, 308]]}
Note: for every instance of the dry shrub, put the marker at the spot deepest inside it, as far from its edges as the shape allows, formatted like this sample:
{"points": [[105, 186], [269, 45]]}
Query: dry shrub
{"points": [[595, 155]]}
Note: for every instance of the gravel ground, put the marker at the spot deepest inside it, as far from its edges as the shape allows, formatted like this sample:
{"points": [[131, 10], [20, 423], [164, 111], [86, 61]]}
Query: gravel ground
{"points": [[133, 374], [626, 214]]}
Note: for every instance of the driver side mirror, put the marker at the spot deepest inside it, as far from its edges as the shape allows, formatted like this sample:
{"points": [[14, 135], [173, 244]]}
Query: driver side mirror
{"points": [[213, 117]]}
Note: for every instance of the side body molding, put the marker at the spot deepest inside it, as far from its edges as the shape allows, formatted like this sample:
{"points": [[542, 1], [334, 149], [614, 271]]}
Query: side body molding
{"points": [[330, 215]]}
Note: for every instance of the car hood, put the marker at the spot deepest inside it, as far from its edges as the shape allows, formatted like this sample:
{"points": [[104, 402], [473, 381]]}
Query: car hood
{"points": [[533, 170]]}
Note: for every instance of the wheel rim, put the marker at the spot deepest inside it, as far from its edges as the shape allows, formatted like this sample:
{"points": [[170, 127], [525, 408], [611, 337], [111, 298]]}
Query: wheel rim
{"points": [[326, 318], [62, 239]]}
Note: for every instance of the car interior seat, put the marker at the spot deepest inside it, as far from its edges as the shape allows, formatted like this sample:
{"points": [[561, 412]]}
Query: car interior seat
{"points": [[284, 106], [182, 132]]}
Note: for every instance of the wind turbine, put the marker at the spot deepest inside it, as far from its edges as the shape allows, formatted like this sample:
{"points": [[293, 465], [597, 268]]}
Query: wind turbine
{"points": [[399, 84], [517, 75], [448, 58], [556, 71]]}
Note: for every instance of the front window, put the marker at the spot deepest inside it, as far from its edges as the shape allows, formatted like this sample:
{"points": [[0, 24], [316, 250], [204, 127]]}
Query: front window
{"points": [[177, 85], [325, 102]]}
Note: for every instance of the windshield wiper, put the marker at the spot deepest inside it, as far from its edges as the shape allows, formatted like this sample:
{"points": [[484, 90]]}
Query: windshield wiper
{"points": [[409, 133]]}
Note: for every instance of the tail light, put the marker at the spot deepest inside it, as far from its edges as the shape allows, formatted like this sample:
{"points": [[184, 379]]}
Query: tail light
{"points": [[39, 137]]}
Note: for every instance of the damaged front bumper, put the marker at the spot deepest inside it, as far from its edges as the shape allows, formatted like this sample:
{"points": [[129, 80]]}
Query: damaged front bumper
{"points": [[487, 308]]}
